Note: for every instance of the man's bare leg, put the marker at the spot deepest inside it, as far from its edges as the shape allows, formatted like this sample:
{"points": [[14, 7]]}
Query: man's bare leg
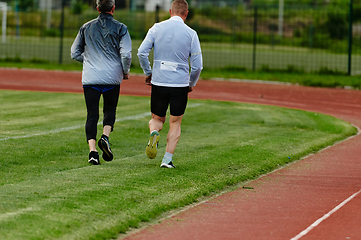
{"points": [[172, 140], [155, 126], [156, 123], [174, 133]]}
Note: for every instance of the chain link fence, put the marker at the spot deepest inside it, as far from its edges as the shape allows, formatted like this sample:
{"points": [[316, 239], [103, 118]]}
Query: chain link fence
{"points": [[233, 34]]}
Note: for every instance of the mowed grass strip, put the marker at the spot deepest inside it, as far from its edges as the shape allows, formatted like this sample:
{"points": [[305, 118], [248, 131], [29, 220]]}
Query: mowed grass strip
{"points": [[49, 191]]}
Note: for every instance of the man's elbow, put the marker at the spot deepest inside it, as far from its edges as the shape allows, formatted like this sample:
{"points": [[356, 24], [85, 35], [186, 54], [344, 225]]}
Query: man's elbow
{"points": [[197, 69], [142, 55], [77, 57], [74, 55]]}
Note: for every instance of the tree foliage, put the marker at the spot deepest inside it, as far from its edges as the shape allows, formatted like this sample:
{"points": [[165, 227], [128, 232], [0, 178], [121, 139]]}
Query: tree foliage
{"points": [[25, 5]]}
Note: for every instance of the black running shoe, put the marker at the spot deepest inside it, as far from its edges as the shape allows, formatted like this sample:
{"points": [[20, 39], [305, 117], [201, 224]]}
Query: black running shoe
{"points": [[167, 165], [104, 145], [94, 158]]}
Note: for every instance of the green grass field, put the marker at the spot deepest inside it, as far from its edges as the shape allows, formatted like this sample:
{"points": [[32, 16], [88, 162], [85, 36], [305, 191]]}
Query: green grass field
{"points": [[49, 191]]}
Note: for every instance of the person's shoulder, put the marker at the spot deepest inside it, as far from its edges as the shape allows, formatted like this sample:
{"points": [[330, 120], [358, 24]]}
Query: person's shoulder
{"points": [[115, 21], [155, 27], [90, 22], [88, 25], [191, 30], [182, 24], [159, 24], [121, 28], [119, 25], [166, 22]]}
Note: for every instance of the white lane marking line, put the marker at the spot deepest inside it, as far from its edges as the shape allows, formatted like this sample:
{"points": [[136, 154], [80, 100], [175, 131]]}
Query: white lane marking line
{"points": [[135, 117], [43, 133], [316, 223], [21, 211]]}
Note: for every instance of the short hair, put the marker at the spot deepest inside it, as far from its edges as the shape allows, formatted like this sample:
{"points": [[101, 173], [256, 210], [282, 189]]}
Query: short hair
{"points": [[180, 7], [105, 5]]}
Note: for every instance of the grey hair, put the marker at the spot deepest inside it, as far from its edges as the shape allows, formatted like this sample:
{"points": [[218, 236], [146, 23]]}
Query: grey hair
{"points": [[105, 5]]}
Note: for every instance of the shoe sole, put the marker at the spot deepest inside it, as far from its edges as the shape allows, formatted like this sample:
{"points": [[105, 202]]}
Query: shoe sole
{"points": [[94, 161], [152, 149], [107, 152], [164, 165]]}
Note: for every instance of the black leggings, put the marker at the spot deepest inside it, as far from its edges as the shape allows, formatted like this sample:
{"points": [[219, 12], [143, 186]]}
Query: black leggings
{"points": [[92, 98]]}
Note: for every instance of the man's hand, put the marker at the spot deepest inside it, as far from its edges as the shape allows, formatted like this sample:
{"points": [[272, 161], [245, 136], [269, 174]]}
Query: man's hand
{"points": [[148, 79], [125, 76], [190, 89]]}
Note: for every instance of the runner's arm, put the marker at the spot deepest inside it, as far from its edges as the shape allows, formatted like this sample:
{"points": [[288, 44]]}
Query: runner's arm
{"points": [[196, 61]]}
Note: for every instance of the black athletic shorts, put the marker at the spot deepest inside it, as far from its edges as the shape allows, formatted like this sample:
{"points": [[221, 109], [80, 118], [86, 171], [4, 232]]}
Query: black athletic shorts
{"points": [[175, 97]]}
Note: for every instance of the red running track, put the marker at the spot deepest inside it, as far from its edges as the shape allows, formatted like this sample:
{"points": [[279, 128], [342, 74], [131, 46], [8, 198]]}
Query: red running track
{"points": [[281, 204]]}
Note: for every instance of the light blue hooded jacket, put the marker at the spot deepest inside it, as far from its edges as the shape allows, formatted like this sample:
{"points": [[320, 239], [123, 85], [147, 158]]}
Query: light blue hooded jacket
{"points": [[104, 47]]}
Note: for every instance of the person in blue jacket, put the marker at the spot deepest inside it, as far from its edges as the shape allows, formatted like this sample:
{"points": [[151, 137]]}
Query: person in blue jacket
{"points": [[104, 47]]}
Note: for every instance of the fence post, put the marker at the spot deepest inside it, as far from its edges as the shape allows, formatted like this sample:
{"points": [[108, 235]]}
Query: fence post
{"points": [[350, 39], [311, 36], [254, 39], [61, 32], [280, 17], [17, 19], [4, 7], [157, 9], [48, 17]]}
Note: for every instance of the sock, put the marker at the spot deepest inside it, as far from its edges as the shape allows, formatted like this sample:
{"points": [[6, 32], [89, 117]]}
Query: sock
{"points": [[167, 157], [154, 132]]}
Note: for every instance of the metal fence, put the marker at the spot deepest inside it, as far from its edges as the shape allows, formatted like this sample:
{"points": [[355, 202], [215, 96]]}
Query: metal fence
{"points": [[238, 36]]}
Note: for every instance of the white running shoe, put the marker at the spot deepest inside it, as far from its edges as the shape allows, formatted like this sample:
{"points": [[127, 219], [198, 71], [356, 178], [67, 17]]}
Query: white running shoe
{"points": [[167, 165]]}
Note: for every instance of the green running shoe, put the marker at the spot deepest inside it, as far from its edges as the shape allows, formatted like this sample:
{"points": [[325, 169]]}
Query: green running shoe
{"points": [[152, 149]]}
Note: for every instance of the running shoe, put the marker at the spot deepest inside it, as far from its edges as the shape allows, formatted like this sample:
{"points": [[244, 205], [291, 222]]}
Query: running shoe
{"points": [[152, 149], [167, 165], [94, 158], [104, 145]]}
